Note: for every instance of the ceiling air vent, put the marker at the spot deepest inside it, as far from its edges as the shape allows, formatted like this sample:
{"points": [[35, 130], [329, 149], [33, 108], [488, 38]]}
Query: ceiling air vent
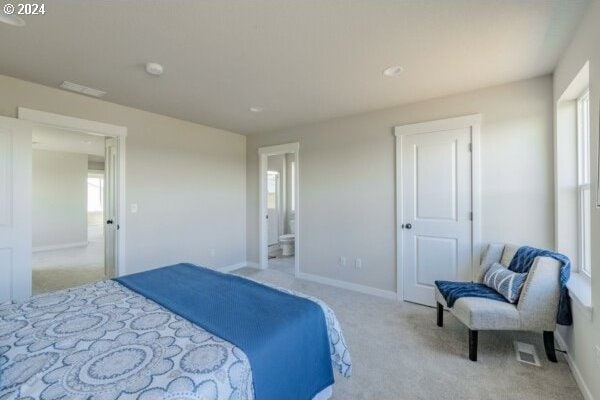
{"points": [[75, 87]]}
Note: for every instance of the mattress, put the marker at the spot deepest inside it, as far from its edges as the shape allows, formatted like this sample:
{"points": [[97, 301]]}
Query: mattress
{"points": [[104, 341]]}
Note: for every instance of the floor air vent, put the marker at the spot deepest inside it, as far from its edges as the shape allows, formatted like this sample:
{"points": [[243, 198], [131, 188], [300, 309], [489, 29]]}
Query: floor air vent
{"points": [[526, 354]]}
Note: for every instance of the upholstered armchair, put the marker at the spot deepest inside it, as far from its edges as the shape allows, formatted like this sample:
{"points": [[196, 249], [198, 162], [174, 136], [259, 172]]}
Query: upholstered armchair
{"points": [[536, 309]]}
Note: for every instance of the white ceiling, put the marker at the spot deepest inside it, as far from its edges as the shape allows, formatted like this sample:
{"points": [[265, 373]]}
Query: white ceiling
{"points": [[45, 138], [302, 60]]}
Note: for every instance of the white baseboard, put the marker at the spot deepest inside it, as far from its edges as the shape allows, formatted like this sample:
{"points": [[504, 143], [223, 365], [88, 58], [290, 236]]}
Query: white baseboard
{"points": [[587, 394], [60, 246], [387, 294], [232, 267]]}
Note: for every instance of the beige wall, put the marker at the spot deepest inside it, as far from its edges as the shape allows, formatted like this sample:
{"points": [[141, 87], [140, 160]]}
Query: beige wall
{"points": [[59, 204], [585, 334], [347, 183], [189, 180], [95, 166]]}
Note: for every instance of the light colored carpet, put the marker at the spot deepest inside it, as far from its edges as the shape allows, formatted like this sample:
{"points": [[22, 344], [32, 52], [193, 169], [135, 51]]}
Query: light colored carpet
{"points": [[66, 268], [91, 255], [283, 264], [398, 352], [49, 280]]}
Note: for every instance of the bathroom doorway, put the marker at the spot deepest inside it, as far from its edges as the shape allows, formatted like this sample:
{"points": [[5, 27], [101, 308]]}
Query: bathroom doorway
{"points": [[279, 208]]}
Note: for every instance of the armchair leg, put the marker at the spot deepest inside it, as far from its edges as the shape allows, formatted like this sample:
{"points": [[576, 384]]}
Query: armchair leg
{"points": [[473, 339], [440, 315], [549, 346]]}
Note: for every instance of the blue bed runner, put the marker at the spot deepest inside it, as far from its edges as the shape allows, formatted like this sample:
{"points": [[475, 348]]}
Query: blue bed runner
{"points": [[284, 336]]}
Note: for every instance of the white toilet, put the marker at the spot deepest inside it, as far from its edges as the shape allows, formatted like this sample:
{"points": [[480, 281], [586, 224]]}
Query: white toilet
{"points": [[286, 242]]}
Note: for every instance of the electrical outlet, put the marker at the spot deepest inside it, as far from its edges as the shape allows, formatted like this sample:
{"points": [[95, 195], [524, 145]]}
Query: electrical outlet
{"points": [[342, 261], [598, 354], [358, 263], [212, 252]]}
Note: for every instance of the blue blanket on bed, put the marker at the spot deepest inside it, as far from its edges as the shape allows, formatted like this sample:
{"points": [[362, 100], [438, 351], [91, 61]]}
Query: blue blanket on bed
{"points": [[284, 336], [521, 262]]}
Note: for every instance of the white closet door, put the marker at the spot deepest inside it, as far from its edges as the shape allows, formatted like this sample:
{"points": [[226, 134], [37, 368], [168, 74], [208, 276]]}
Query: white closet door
{"points": [[15, 209], [111, 222], [437, 226]]}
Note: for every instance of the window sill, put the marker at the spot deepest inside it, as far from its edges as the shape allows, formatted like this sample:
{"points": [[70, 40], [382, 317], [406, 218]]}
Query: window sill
{"points": [[580, 289]]}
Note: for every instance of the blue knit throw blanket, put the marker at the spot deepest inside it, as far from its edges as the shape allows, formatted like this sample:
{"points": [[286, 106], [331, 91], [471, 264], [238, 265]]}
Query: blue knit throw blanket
{"points": [[521, 262]]}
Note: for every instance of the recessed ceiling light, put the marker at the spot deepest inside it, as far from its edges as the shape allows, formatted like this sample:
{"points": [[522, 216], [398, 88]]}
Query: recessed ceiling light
{"points": [[395, 70], [11, 19], [256, 109], [154, 69]]}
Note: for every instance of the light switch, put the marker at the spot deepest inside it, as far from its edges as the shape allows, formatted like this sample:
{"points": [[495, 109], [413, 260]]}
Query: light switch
{"points": [[134, 208]]}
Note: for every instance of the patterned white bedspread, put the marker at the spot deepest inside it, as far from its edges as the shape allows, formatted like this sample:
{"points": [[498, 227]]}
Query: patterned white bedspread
{"points": [[104, 341]]}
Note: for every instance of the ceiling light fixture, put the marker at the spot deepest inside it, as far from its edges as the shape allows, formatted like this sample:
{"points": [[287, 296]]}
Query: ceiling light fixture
{"points": [[154, 69], [393, 71], [11, 19], [256, 109], [75, 87]]}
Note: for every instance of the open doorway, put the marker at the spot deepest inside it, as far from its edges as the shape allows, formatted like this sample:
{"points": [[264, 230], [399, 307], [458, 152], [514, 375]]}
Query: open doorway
{"points": [[68, 191], [279, 205], [96, 152], [16, 237]]}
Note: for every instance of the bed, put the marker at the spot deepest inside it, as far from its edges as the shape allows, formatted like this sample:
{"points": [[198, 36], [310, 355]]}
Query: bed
{"points": [[108, 341]]}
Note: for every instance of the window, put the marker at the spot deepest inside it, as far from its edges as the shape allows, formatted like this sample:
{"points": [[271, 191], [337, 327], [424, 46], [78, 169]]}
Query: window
{"points": [[95, 184], [272, 189], [583, 182], [293, 186]]}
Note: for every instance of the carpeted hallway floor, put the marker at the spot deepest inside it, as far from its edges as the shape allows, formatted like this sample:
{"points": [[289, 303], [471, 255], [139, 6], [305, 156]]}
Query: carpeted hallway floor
{"points": [[398, 352], [49, 280], [61, 269]]}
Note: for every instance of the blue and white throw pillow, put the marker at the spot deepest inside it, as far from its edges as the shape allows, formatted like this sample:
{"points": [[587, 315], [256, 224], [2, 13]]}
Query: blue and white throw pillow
{"points": [[504, 281]]}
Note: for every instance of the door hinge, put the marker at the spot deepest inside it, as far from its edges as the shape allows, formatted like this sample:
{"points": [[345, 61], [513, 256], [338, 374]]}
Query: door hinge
{"points": [[471, 216], [470, 146]]}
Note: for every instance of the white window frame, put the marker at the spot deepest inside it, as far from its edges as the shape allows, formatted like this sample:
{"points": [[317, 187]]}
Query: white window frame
{"points": [[100, 177], [277, 181], [584, 183], [293, 186]]}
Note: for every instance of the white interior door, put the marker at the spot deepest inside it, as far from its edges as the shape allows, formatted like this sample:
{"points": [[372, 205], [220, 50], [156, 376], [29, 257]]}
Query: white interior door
{"points": [[15, 209], [436, 211], [111, 223]]}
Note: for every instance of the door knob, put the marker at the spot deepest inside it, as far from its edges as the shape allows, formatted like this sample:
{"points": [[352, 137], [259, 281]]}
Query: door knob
{"points": [[408, 226], [110, 222]]}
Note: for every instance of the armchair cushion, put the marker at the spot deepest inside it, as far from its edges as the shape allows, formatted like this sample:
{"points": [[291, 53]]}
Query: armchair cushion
{"points": [[483, 314], [508, 254], [491, 255], [504, 281]]}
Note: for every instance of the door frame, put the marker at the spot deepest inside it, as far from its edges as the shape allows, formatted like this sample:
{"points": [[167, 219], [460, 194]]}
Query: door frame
{"points": [[263, 234], [120, 134], [469, 121]]}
